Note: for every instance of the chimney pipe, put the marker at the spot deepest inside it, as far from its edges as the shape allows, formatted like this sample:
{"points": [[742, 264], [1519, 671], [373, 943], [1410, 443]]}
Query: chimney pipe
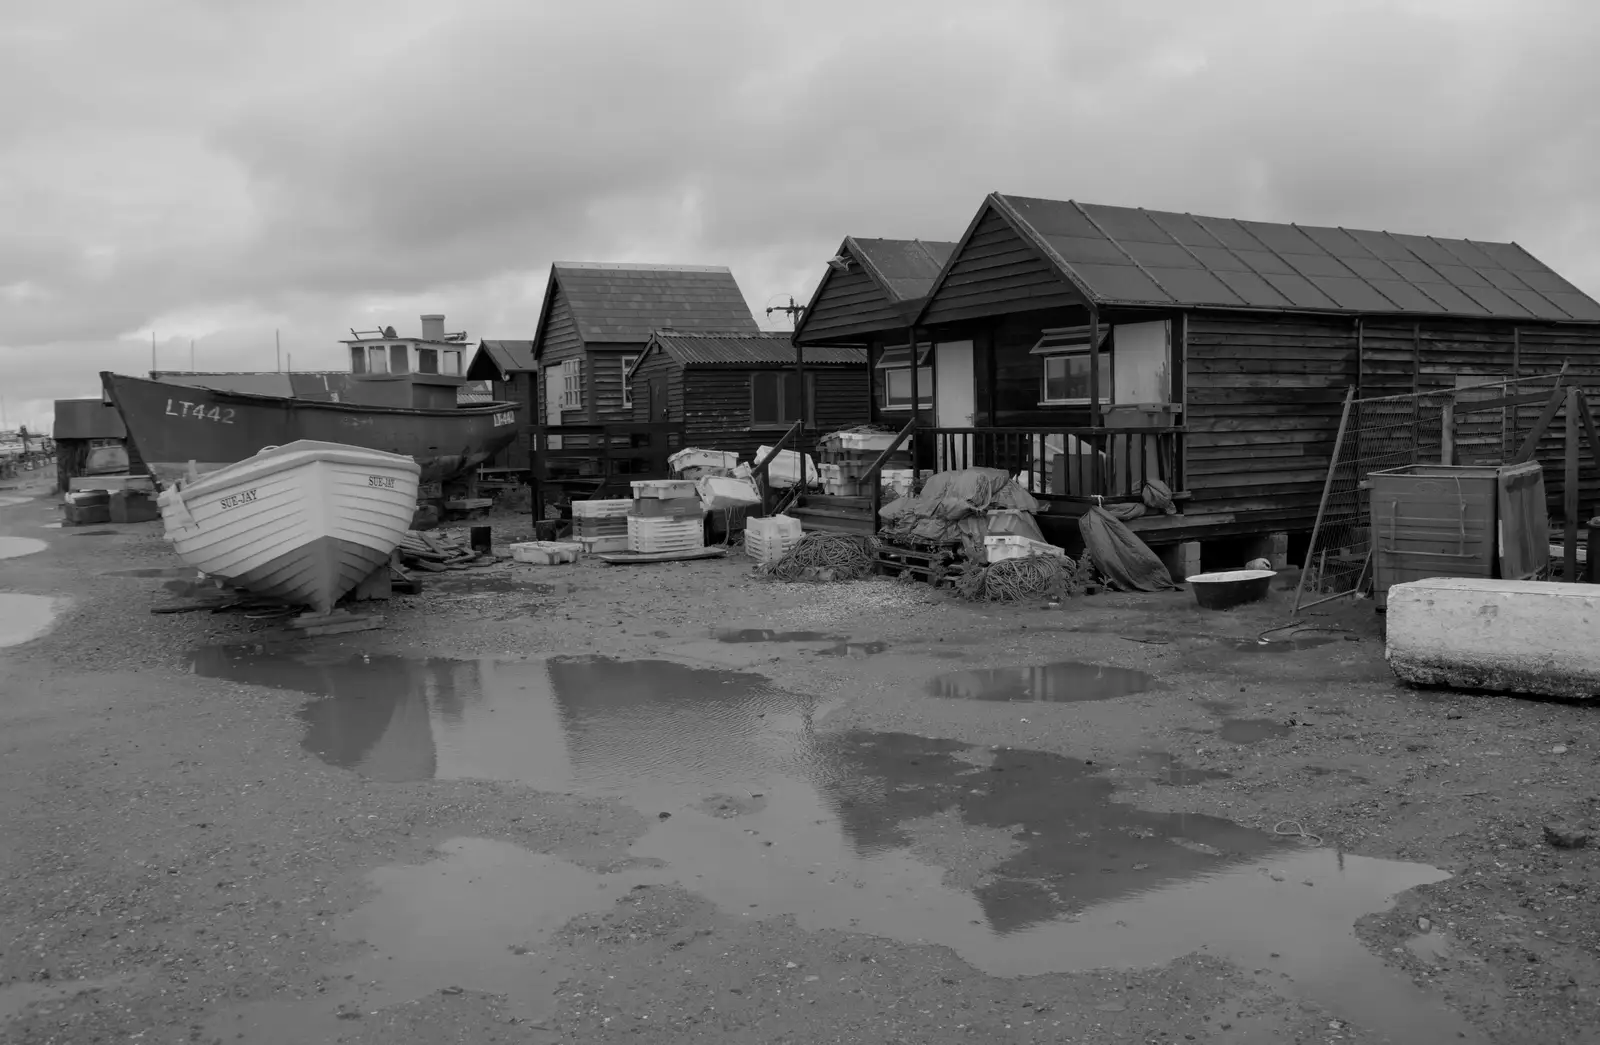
{"points": [[433, 328]]}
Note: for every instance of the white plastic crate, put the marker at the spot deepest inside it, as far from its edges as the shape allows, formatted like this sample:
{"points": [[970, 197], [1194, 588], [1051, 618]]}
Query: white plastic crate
{"points": [[610, 543], [607, 509], [1010, 546], [767, 540], [692, 457], [875, 441], [718, 491], [665, 534], [664, 488], [784, 471], [545, 553]]}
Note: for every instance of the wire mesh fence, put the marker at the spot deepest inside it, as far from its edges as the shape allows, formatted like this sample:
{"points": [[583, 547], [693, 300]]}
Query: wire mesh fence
{"points": [[1470, 424]]}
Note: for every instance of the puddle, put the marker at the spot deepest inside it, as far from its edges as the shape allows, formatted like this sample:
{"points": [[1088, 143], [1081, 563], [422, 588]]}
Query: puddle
{"points": [[1021, 862], [8, 501], [52, 526], [1066, 681], [1432, 947], [475, 919], [1252, 730], [854, 649], [763, 635], [24, 618], [12, 547], [1171, 772], [17, 997], [645, 727]]}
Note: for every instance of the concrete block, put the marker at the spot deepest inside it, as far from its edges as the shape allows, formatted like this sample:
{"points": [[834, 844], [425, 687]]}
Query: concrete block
{"points": [[1274, 547], [1530, 637], [1181, 560]]}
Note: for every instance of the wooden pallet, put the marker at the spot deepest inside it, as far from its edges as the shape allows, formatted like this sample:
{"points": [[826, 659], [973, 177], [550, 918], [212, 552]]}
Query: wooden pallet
{"points": [[930, 563]]}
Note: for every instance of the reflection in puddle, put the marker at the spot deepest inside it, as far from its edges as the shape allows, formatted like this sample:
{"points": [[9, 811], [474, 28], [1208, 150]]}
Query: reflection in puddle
{"points": [[853, 831], [17, 997], [1065, 682], [854, 649], [763, 635], [24, 618], [12, 547]]}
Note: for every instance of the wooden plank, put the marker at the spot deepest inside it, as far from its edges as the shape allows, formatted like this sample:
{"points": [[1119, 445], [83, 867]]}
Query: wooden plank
{"points": [[1531, 444], [1571, 490]]}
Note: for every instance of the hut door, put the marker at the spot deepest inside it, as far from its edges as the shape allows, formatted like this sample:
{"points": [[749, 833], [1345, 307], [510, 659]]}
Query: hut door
{"points": [[658, 397], [955, 401]]}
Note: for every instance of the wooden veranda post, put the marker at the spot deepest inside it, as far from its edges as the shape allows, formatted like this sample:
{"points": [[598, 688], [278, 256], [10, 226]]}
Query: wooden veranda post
{"points": [[1570, 491], [1447, 431]]}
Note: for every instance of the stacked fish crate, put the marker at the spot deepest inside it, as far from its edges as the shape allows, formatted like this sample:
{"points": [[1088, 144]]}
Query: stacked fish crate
{"points": [[846, 456], [601, 526], [666, 516]]}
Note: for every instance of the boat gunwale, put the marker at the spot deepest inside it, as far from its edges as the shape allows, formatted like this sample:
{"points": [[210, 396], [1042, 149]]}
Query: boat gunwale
{"points": [[277, 402], [282, 459]]}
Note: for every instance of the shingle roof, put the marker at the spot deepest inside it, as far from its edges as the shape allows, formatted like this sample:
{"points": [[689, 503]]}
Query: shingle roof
{"points": [[509, 357], [904, 268], [763, 349], [628, 302], [1132, 256]]}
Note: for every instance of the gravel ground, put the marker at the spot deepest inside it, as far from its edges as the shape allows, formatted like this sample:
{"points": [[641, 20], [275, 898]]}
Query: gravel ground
{"points": [[178, 867]]}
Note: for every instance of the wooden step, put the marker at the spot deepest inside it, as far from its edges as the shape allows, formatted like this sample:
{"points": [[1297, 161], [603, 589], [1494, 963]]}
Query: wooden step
{"points": [[819, 500]]}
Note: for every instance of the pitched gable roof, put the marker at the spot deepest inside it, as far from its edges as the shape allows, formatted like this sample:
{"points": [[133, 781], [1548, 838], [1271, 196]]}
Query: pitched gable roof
{"points": [[625, 303], [899, 271], [501, 359], [1135, 257], [744, 350]]}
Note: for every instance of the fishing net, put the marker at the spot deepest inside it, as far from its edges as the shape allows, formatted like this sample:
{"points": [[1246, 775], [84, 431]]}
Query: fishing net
{"points": [[1011, 580], [822, 557]]}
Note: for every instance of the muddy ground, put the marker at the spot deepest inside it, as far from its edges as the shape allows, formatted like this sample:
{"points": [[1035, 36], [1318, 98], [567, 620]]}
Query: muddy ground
{"points": [[680, 803]]}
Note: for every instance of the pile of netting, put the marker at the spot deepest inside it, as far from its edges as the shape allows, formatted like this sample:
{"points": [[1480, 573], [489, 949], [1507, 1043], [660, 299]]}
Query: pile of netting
{"points": [[822, 557], [1037, 576]]}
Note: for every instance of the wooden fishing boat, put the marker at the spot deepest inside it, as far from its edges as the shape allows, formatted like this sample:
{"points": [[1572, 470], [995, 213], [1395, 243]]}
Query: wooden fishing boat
{"points": [[304, 522], [176, 426]]}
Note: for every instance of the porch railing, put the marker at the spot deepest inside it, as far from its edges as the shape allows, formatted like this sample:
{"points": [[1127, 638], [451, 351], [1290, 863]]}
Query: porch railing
{"points": [[761, 473], [1069, 463]]}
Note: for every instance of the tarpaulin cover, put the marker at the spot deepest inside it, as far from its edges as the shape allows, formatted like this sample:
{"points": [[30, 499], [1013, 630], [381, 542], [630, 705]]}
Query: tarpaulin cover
{"points": [[1016, 522], [1125, 561], [953, 505]]}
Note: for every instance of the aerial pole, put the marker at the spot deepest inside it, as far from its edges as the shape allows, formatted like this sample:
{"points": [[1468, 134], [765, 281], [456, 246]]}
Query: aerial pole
{"points": [[794, 310], [279, 345]]}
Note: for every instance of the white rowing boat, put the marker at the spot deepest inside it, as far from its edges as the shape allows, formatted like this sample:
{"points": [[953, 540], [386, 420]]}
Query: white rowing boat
{"points": [[304, 522]]}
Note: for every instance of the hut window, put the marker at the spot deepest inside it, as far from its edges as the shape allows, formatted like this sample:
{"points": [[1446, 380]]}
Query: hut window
{"points": [[775, 399], [627, 383], [452, 363], [896, 366], [378, 360], [1064, 377], [358, 359], [427, 360], [572, 384], [399, 359]]}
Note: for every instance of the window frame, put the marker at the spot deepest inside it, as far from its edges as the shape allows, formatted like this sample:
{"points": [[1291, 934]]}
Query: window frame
{"points": [[381, 353], [424, 355], [1060, 345], [399, 354], [571, 384], [808, 402], [627, 383], [891, 403]]}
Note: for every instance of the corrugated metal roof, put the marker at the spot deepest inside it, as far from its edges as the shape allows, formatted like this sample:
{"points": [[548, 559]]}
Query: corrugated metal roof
{"points": [[904, 268], [628, 302], [510, 356], [87, 419], [761, 349], [1132, 256]]}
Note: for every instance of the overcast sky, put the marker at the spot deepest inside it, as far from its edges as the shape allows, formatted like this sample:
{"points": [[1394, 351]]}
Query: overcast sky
{"points": [[218, 169]]}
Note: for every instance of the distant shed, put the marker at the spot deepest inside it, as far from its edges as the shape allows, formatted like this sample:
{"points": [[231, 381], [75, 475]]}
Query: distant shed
{"points": [[740, 391], [510, 369], [91, 439]]}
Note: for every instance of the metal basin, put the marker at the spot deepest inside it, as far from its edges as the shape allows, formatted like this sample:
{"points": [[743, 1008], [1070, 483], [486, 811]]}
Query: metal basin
{"points": [[1230, 588]]}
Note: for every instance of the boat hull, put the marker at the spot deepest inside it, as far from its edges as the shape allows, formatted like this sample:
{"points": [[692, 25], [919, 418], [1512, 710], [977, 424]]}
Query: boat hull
{"points": [[304, 523], [174, 425]]}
